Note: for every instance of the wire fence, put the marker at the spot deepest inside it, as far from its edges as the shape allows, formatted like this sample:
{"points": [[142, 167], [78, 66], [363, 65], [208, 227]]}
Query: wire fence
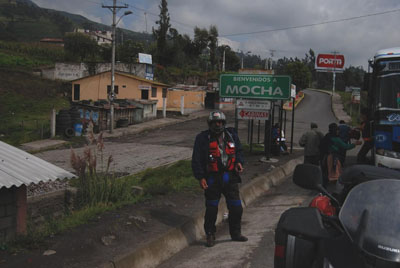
{"points": [[21, 131]]}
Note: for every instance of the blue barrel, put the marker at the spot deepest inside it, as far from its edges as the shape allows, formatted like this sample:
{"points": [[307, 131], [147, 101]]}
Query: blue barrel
{"points": [[78, 129]]}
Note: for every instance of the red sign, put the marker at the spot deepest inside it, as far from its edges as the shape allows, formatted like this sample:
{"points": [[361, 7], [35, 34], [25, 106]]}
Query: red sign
{"points": [[253, 114], [329, 61]]}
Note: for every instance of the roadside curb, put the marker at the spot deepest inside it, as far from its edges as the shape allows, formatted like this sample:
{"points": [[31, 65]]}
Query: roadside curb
{"points": [[288, 104], [338, 109], [159, 250]]}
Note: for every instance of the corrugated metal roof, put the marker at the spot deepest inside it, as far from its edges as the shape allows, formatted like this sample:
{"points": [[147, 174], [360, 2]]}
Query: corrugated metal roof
{"points": [[152, 82], [18, 167], [142, 79]]}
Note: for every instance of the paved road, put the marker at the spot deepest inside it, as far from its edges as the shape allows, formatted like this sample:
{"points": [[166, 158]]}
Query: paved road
{"points": [[258, 225], [135, 153], [260, 218]]}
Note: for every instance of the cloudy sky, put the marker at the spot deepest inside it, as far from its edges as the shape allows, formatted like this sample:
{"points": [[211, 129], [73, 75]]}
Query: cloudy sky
{"points": [[357, 39]]}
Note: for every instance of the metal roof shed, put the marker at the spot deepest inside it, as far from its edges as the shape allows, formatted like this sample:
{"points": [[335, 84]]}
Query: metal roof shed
{"points": [[17, 170], [18, 167]]}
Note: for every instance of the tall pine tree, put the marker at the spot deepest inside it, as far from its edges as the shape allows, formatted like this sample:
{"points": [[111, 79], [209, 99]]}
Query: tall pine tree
{"points": [[160, 34]]}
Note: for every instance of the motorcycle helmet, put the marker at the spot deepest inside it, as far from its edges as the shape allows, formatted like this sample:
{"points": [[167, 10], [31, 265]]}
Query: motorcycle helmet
{"points": [[213, 118]]}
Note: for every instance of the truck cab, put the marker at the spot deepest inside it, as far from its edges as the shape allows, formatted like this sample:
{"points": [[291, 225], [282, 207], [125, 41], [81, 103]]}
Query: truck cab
{"points": [[384, 106]]}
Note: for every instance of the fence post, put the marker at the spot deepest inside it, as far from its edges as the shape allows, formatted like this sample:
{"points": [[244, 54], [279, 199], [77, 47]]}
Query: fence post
{"points": [[164, 107], [53, 123], [182, 105]]}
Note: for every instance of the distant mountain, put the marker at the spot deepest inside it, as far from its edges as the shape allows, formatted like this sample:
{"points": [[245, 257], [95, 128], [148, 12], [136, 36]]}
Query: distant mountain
{"points": [[23, 20], [28, 2]]}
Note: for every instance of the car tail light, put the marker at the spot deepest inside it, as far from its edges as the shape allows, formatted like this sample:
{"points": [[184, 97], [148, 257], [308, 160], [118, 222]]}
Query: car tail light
{"points": [[279, 251]]}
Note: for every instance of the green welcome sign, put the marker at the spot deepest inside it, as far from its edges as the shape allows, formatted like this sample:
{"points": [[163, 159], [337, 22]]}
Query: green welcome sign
{"points": [[255, 86]]}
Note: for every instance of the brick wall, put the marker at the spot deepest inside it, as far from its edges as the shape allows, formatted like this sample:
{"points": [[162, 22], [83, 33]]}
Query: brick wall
{"points": [[8, 212]]}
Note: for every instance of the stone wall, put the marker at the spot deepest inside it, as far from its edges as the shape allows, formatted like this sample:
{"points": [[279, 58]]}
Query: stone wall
{"points": [[8, 213]]}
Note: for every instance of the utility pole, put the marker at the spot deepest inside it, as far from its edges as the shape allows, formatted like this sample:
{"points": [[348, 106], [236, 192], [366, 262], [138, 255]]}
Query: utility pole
{"points": [[223, 62], [114, 9], [145, 18], [271, 51]]}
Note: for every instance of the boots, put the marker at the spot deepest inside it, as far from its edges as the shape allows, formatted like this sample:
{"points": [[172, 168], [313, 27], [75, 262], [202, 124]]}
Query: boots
{"points": [[210, 240], [239, 238]]}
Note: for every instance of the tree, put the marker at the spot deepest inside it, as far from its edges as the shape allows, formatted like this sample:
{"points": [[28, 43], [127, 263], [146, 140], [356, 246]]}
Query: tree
{"points": [[200, 40], [176, 48], [354, 76], [301, 75], [213, 43], [160, 34], [80, 46], [232, 61], [128, 51]]}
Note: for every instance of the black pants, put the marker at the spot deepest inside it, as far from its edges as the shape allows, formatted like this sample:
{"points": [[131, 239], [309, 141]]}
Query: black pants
{"points": [[324, 170], [362, 154], [311, 159], [223, 184]]}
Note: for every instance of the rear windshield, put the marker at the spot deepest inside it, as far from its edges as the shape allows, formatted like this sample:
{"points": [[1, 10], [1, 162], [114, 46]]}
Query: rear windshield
{"points": [[371, 217]]}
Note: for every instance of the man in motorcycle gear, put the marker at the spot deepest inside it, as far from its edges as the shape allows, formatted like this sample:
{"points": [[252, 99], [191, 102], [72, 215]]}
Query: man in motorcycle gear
{"points": [[216, 162], [216, 122]]}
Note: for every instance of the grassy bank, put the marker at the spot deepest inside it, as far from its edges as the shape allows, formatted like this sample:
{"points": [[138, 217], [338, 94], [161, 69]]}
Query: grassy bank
{"points": [[175, 178], [26, 102], [353, 109]]}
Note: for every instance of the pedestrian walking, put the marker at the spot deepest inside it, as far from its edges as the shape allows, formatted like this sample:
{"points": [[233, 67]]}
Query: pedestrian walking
{"points": [[310, 141], [365, 129], [217, 161], [331, 146], [278, 141], [344, 135]]}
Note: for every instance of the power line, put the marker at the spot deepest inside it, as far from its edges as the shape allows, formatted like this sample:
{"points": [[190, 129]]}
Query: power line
{"points": [[312, 24], [94, 2]]}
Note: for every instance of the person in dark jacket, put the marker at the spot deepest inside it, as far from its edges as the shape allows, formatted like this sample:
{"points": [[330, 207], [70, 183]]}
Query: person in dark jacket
{"points": [[365, 128], [310, 141], [217, 161], [344, 135], [331, 165], [278, 144]]}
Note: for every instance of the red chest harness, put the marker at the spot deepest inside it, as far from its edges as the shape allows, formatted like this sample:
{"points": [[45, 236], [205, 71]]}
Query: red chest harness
{"points": [[214, 158]]}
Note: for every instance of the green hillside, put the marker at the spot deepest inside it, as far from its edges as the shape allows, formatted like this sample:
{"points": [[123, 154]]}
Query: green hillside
{"points": [[24, 21]]}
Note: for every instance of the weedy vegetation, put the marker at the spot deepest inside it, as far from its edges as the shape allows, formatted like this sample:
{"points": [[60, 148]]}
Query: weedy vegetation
{"points": [[99, 190]]}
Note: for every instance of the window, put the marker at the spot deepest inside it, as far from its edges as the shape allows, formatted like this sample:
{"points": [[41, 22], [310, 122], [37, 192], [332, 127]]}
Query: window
{"points": [[109, 89], [77, 92], [154, 92], [145, 94], [164, 92]]}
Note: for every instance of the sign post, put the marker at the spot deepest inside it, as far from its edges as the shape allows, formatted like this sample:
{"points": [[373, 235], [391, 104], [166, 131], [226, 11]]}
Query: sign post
{"points": [[330, 63], [355, 99], [293, 95], [270, 87], [254, 93]]}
